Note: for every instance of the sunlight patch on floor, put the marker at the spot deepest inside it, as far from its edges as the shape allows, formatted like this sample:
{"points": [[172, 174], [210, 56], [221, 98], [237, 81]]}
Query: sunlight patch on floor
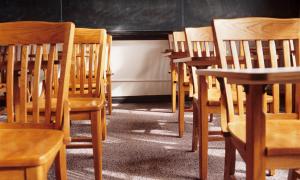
{"points": [[155, 141]]}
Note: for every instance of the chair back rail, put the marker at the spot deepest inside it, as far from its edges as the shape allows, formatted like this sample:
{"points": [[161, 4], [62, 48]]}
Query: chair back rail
{"points": [[265, 42], [23, 39]]}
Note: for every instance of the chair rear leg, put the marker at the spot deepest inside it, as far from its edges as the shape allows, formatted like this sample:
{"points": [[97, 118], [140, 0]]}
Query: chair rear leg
{"points": [[195, 128], [229, 165], [103, 123]]}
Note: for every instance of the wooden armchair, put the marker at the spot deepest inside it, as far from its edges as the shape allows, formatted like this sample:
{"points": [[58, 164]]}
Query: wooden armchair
{"points": [[264, 139], [202, 55], [184, 83], [31, 142]]}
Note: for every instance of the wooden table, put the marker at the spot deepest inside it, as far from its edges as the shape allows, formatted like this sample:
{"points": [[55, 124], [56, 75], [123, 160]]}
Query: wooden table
{"points": [[255, 79]]}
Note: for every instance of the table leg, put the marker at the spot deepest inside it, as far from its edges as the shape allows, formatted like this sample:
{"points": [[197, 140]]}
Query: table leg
{"points": [[203, 128], [181, 99], [255, 133]]}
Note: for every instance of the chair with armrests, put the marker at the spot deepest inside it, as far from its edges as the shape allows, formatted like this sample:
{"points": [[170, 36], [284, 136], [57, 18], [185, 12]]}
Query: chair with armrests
{"points": [[184, 83], [87, 94], [31, 142], [270, 140], [202, 55]]}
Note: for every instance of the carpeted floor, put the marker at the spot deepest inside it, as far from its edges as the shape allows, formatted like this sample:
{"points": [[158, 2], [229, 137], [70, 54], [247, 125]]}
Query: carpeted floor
{"points": [[142, 143]]}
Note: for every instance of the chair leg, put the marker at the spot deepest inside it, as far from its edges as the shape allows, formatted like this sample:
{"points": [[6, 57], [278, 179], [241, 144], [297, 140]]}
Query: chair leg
{"points": [[229, 165], [109, 96], [195, 128], [36, 173], [211, 117], [293, 175], [61, 164], [173, 86], [97, 143], [103, 123], [270, 172]]}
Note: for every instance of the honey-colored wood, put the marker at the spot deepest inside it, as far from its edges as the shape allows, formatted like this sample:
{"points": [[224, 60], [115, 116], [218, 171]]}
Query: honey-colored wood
{"points": [[198, 58], [108, 76], [90, 104], [262, 137], [184, 79], [34, 142]]}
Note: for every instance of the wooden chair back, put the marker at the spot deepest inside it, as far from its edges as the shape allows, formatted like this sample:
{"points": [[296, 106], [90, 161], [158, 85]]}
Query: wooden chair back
{"points": [[87, 69], [179, 40], [180, 46], [20, 38], [200, 43], [265, 34]]}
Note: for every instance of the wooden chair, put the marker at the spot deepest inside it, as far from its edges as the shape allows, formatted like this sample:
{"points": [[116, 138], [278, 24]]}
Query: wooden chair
{"points": [[184, 84], [269, 140], [30, 143], [202, 55], [87, 93], [108, 71]]}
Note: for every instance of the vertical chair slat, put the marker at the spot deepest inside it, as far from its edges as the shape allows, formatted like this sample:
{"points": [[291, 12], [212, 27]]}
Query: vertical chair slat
{"points": [[294, 64], [234, 55], [199, 53], [240, 99], [207, 49], [10, 84], [182, 46], [261, 64], [91, 60], [73, 71], [260, 54], [36, 83], [82, 68], [247, 54], [23, 84], [49, 78], [288, 87], [274, 64], [55, 78]]}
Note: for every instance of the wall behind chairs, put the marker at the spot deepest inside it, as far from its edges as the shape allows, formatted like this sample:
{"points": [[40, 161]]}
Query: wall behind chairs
{"points": [[143, 15], [139, 68], [138, 65]]}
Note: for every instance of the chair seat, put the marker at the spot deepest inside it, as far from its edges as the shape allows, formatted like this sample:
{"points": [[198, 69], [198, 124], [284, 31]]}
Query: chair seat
{"points": [[28, 147], [282, 136], [86, 104], [76, 104]]}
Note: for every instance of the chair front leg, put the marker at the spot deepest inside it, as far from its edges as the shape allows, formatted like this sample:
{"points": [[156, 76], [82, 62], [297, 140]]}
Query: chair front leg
{"points": [[97, 143], [61, 164]]}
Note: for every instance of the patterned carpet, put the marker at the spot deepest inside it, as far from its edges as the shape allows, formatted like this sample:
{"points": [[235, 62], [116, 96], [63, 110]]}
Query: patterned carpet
{"points": [[143, 144]]}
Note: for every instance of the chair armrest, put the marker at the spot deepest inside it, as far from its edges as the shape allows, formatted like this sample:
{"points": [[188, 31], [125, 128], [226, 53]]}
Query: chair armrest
{"points": [[182, 60]]}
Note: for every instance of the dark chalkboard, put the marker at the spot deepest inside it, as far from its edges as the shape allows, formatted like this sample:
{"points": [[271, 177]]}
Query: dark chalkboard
{"points": [[146, 17]]}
